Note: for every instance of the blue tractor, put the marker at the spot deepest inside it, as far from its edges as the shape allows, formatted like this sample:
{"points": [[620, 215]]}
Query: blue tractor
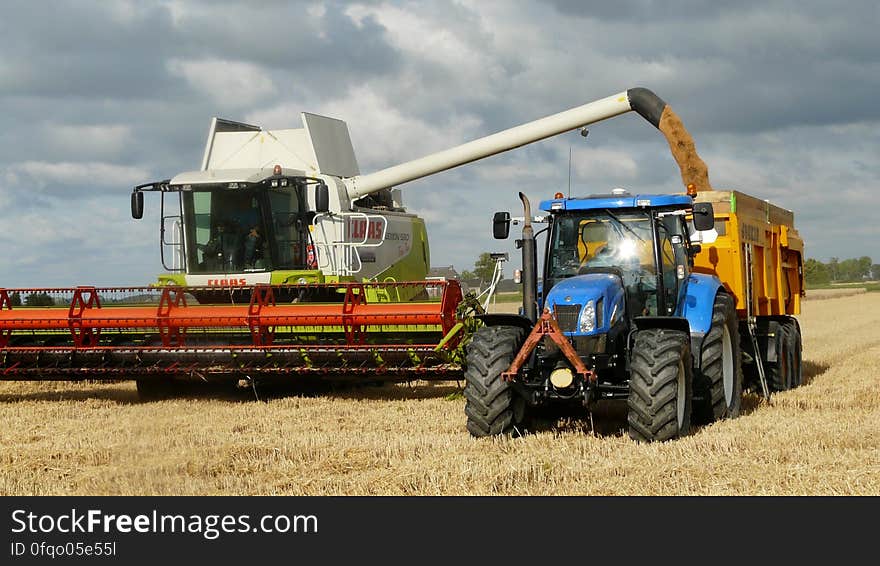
{"points": [[618, 314]]}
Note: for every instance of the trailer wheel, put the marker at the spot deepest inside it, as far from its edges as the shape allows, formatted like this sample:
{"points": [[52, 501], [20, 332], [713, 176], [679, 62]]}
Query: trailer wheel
{"points": [[779, 374], [492, 407], [718, 385], [660, 385], [795, 347]]}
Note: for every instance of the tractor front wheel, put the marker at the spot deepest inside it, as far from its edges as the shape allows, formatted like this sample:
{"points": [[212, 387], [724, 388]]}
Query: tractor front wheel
{"points": [[493, 407], [660, 385]]}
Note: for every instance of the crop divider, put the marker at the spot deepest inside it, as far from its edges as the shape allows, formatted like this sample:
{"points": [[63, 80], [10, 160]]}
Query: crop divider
{"points": [[354, 295], [173, 297], [84, 336], [5, 303], [262, 296]]}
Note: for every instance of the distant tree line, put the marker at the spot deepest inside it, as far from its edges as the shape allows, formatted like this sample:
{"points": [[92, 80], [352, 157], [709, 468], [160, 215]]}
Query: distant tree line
{"points": [[840, 271], [41, 299]]}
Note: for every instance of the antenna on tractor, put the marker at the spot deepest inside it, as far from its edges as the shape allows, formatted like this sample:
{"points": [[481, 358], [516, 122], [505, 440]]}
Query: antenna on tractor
{"points": [[569, 171], [584, 132]]}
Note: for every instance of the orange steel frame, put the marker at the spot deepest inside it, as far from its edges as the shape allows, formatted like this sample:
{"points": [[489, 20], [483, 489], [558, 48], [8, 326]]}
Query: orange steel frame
{"points": [[547, 326], [86, 318]]}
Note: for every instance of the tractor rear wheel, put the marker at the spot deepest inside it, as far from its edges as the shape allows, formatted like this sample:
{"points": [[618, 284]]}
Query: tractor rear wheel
{"points": [[492, 407], [795, 347], [718, 384], [779, 372], [660, 385]]}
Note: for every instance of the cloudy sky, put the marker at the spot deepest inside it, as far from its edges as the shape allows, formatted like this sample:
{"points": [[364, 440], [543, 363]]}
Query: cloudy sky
{"points": [[96, 97]]}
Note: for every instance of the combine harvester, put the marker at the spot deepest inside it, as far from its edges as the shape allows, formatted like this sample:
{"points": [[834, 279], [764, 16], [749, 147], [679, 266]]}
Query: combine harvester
{"points": [[283, 261]]}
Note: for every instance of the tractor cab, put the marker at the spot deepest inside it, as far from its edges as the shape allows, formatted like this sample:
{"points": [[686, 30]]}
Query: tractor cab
{"points": [[619, 253]]}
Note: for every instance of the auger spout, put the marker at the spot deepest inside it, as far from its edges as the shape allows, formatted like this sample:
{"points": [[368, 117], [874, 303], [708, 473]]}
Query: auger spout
{"points": [[643, 101]]}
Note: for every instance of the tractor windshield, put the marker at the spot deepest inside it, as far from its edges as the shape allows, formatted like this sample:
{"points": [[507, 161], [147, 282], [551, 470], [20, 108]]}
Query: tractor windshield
{"points": [[241, 230], [601, 241]]}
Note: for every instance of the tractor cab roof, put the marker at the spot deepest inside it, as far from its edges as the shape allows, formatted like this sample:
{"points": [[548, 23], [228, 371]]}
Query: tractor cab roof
{"points": [[616, 200]]}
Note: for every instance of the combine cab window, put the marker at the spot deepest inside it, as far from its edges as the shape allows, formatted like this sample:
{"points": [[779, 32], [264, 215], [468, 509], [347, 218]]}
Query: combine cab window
{"points": [[227, 234], [242, 230]]}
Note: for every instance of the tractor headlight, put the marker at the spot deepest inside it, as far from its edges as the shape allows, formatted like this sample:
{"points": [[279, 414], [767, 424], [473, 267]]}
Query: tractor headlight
{"points": [[587, 322]]}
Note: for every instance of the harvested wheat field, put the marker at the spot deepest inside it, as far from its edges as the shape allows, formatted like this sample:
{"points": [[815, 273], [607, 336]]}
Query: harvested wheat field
{"points": [[93, 439]]}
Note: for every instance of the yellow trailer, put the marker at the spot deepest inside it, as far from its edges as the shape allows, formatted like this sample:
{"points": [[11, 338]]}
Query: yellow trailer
{"points": [[759, 255]]}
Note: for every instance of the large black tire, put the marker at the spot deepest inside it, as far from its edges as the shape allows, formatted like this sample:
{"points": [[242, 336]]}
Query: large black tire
{"points": [[660, 385], [493, 407], [718, 385], [779, 372], [795, 348]]}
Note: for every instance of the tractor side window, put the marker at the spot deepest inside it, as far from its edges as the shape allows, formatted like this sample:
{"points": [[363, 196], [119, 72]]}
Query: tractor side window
{"points": [[673, 254], [567, 253]]}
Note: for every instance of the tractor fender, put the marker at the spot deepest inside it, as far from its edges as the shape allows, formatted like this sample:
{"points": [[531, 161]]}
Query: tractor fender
{"points": [[698, 301], [504, 319]]}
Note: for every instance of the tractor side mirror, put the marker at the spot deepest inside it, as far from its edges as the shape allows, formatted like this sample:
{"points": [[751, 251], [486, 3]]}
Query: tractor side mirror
{"points": [[137, 205], [501, 225], [322, 198], [704, 216]]}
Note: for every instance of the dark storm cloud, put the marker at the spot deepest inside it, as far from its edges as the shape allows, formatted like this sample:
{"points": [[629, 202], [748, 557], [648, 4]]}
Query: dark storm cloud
{"points": [[78, 49], [767, 65], [86, 49], [331, 47], [96, 63]]}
